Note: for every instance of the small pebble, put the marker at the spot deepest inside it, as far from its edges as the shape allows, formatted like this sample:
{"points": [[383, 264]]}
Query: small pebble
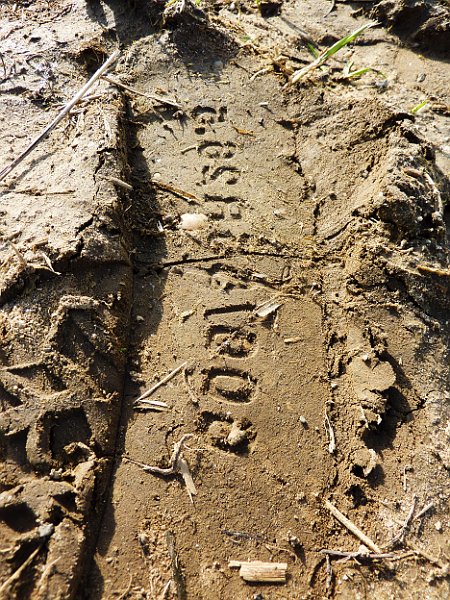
{"points": [[438, 526], [193, 221]]}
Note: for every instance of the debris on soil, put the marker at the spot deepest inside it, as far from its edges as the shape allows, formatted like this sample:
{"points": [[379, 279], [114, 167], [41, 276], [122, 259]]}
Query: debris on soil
{"points": [[192, 221], [177, 465], [160, 383], [352, 527], [260, 572], [63, 113]]}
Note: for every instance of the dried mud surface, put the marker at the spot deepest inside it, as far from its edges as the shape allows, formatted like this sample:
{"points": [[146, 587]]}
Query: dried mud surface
{"points": [[308, 310]]}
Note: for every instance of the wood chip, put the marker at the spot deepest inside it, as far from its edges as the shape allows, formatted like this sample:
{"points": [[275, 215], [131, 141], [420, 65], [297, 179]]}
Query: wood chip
{"points": [[267, 308], [262, 572]]}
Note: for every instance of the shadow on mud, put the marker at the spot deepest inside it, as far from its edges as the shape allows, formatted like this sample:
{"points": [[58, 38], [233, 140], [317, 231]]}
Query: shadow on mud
{"points": [[204, 50], [424, 25]]}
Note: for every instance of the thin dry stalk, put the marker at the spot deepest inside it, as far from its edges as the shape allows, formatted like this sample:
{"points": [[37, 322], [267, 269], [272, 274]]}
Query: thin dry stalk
{"points": [[160, 383], [400, 536], [65, 111], [177, 574], [160, 99], [15, 576], [352, 527], [367, 555]]}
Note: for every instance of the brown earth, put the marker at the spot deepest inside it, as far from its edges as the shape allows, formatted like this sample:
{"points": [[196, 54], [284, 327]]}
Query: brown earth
{"points": [[306, 308]]}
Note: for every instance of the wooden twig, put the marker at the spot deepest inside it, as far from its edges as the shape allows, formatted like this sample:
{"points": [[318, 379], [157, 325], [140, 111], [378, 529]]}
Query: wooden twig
{"points": [[176, 191], [160, 383], [424, 510], [122, 184], [166, 589], [127, 88], [65, 111], [433, 271], [399, 537], [352, 527], [367, 555], [18, 572], [429, 557], [41, 592], [177, 574], [155, 405]]}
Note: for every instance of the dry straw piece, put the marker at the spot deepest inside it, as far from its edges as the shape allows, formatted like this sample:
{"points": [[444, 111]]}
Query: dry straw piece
{"points": [[261, 572], [65, 111]]}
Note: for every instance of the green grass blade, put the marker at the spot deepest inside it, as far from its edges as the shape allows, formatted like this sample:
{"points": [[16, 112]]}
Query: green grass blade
{"points": [[313, 50], [418, 107], [326, 54], [348, 39], [359, 72]]}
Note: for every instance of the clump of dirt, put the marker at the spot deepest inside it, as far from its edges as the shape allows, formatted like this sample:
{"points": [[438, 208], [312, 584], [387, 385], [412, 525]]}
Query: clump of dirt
{"points": [[264, 265], [425, 23]]}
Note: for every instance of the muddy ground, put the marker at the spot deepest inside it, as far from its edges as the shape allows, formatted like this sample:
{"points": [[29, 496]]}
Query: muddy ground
{"points": [[283, 247]]}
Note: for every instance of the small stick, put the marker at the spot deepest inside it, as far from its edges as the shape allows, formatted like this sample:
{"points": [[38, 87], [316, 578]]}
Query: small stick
{"points": [[65, 111], [23, 262], [164, 380], [166, 590], [175, 563], [160, 99], [156, 405], [261, 572], [368, 555], [432, 559], [15, 576], [174, 459], [188, 148], [176, 191], [120, 183], [150, 469], [399, 537], [424, 510], [352, 527], [438, 272], [41, 592]]}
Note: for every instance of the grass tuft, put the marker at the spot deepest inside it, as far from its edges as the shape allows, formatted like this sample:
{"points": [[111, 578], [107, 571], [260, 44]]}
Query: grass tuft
{"points": [[326, 54]]}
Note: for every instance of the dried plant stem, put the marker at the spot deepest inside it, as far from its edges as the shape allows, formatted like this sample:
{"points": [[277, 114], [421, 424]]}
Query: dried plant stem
{"points": [[164, 380], [127, 88], [352, 527], [65, 111]]}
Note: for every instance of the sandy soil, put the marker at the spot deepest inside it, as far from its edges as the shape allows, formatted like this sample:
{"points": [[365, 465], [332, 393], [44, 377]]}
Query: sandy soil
{"points": [[283, 247]]}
